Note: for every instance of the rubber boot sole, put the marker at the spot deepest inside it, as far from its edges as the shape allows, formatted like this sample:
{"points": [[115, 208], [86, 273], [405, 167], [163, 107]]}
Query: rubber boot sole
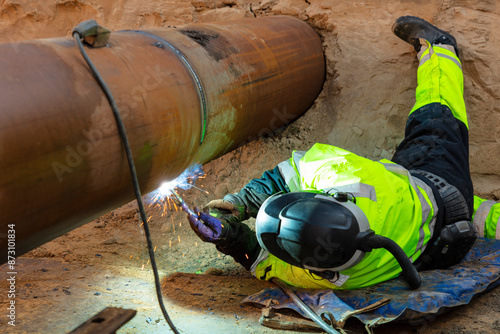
{"points": [[411, 28]]}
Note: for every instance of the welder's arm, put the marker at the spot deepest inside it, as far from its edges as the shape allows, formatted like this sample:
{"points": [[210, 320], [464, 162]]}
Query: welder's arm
{"points": [[246, 203], [234, 239]]}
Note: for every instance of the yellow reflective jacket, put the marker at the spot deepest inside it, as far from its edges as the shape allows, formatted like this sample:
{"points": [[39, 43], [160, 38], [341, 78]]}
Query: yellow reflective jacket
{"points": [[397, 205]]}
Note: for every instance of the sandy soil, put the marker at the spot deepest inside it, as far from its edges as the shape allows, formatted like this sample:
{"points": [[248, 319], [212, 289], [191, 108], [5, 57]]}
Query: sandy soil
{"points": [[363, 107]]}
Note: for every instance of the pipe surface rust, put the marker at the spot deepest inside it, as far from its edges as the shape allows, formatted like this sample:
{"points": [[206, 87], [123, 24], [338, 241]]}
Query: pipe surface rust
{"points": [[186, 95]]}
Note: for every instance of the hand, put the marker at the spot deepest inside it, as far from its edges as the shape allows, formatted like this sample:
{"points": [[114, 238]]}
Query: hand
{"points": [[234, 239], [208, 228], [226, 210]]}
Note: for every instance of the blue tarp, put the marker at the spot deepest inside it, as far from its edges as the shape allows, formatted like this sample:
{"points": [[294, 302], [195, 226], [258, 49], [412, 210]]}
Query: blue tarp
{"points": [[440, 291]]}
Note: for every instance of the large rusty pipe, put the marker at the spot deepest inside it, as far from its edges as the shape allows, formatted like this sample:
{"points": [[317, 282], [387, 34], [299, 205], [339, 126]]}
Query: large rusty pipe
{"points": [[186, 95]]}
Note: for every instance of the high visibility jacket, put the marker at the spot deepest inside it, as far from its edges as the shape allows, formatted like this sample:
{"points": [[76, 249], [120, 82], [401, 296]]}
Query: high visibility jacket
{"points": [[397, 205]]}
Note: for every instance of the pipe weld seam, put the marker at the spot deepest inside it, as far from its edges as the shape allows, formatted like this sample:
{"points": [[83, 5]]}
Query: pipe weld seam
{"points": [[194, 75]]}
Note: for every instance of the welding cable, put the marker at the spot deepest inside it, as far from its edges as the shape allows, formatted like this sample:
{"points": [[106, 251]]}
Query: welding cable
{"points": [[135, 182], [304, 307], [409, 271]]}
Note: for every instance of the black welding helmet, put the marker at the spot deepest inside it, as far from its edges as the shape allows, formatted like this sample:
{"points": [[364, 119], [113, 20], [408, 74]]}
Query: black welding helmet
{"points": [[319, 232]]}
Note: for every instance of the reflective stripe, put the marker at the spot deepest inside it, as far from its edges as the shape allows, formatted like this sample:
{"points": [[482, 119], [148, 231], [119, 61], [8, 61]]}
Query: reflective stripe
{"points": [[263, 254], [428, 190], [288, 172], [481, 215], [426, 208], [442, 55], [497, 233], [297, 155], [424, 59], [427, 57], [448, 47], [356, 189], [289, 175], [429, 51]]}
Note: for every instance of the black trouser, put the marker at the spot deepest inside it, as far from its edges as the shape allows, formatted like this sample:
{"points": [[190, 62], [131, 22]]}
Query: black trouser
{"points": [[437, 142]]}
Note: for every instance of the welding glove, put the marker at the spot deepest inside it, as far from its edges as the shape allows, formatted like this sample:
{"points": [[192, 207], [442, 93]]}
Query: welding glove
{"points": [[208, 228], [231, 209], [234, 239]]}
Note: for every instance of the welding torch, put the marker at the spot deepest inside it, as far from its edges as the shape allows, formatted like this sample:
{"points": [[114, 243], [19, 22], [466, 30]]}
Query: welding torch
{"points": [[180, 202]]}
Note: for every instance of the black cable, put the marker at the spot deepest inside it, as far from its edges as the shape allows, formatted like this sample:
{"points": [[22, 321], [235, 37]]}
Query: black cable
{"points": [[135, 182], [410, 273]]}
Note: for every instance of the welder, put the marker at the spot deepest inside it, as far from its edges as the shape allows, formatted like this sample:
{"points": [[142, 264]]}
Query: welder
{"points": [[328, 218]]}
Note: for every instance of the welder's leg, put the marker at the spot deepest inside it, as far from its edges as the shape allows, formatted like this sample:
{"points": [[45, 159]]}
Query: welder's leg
{"points": [[436, 135], [440, 79]]}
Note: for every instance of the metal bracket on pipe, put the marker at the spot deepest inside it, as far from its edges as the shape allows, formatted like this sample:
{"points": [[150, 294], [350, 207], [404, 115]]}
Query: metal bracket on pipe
{"points": [[92, 33]]}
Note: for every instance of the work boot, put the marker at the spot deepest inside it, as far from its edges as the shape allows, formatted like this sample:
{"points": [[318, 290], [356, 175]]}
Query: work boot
{"points": [[410, 29]]}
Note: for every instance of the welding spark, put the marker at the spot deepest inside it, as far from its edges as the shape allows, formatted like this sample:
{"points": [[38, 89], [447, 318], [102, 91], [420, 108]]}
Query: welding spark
{"points": [[184, 181], [166, 196], [167, 199]]}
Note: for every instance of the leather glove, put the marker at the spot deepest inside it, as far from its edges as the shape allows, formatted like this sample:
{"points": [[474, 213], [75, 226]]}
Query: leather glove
{"points": [[208, 228], [227, 209]]}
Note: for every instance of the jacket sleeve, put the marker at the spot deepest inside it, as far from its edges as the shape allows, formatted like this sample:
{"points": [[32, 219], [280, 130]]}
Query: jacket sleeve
{"points": [[258, 190], [240, 242]]}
